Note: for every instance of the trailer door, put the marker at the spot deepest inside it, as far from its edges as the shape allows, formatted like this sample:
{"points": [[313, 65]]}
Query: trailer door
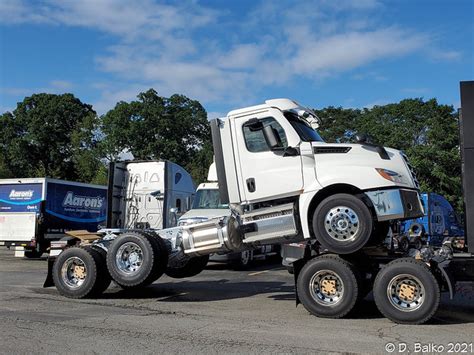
{"points": [[17, 227]]}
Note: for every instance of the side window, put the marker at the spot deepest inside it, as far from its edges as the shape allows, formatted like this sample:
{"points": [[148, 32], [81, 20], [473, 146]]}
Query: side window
{"points": [[255, 140]]}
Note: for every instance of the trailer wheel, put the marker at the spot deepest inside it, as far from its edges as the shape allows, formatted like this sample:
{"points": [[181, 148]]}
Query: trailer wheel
{"points": [[407, 292], [244, 260], [328, 286], [342, 223], [133, 260], [191, 268], [80, 272]]}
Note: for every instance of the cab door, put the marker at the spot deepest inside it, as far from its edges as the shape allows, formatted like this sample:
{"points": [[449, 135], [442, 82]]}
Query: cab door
{"points": [[265, 174]]}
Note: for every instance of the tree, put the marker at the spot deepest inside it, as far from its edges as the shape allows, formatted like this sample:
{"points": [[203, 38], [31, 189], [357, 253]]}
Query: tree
{"points": [[156, 127], [50, 135]]}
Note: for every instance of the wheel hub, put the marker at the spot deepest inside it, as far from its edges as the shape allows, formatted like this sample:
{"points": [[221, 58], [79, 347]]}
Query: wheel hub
{"points": [[326, 288], [329, 287], [342, 223], [73, 272], [79, 272], [129, 258], [406, 292]]}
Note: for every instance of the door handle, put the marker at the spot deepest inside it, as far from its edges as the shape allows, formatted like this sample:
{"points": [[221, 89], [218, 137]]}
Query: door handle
{"points": [[251, 184]]}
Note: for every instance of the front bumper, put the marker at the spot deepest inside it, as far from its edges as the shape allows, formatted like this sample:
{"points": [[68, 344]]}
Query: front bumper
{"points": [[396, 204]]}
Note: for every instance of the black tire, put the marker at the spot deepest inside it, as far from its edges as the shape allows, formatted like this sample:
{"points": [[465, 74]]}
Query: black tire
{"points": [[191, 268], [311, 288], [151, 266], [161, 248], [244, 260], [33, 254], [93, 265], [423, 301], [356, 220], [105, 279]]}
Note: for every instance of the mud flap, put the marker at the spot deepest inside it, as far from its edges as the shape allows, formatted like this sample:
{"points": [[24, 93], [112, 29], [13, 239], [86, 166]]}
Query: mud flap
{"points": [[297, 266], [49, 278], [448, 277]]}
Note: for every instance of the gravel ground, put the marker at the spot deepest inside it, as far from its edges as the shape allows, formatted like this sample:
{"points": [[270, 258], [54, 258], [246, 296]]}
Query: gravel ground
{"points": [[218, 311]]}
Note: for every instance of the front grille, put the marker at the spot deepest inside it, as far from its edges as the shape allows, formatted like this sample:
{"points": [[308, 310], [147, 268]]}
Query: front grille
{"points": [[412, 170]]}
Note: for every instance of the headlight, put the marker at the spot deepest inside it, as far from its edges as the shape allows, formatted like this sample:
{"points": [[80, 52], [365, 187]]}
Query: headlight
{"points": [[390, 175]]}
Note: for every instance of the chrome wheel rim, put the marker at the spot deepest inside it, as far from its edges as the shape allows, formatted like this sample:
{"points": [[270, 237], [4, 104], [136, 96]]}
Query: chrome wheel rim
{"points": [[406, 292], [129, 258], [74, 272], [326, 288], [342, 224]]}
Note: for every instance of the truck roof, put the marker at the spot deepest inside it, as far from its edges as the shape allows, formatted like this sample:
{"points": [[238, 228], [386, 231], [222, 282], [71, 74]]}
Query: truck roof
{"points": [[281, 104], [208, 185]]}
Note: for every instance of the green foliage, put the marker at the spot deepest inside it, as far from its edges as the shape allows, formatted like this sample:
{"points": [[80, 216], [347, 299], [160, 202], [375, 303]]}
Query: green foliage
{"points": [[49, 135], [426, 131], [156, 127], [61, 137]]}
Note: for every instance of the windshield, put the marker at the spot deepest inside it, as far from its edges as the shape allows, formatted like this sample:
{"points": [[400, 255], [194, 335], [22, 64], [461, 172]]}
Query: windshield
{"points": [[304, 130], [208, 199]]}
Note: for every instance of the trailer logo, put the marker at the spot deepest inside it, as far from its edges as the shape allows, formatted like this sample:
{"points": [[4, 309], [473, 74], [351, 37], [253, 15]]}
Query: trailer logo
{"points": [[21, 195], [88, 202]]}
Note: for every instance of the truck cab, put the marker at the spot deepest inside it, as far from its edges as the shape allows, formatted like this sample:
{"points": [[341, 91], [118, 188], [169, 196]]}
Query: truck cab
{"points": [[271, 156]]}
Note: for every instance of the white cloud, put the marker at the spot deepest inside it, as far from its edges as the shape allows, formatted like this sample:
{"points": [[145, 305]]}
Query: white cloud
{"points": [[179, 48], [416, 91], [61, 84]]}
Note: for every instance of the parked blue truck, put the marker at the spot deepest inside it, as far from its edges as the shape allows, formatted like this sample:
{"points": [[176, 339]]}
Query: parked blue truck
{"points": [[439, 222], [35, 211]]}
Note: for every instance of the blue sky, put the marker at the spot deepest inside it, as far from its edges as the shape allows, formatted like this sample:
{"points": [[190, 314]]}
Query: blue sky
{"points": [[230, 54]]}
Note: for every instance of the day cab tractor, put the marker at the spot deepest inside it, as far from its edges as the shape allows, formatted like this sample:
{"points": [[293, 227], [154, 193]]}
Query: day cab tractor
{"points": [[284, 184]]}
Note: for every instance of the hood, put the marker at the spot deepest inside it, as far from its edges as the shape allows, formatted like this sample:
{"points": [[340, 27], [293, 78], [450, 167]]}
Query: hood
{"points": [[357, 164]]}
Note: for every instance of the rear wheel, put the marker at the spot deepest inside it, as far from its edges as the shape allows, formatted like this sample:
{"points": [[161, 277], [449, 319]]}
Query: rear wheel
{"points": [[407, 292], [191, 267], [328, 286], [244, 260], [135, 260], [80, 272], [342, 223]]}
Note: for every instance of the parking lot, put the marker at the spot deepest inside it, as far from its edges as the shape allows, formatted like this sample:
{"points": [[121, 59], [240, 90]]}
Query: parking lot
{"points": [[220, 310]]}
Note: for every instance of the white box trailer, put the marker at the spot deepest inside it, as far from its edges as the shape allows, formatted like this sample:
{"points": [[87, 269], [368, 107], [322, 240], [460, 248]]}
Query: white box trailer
{"points": [[35, 211]]}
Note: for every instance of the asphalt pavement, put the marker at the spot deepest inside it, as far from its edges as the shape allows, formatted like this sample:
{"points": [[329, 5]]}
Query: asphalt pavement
{"points": [[219, 311]]}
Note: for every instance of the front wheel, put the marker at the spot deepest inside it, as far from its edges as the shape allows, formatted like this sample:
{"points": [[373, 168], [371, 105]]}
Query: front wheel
{"points": [[244, 260], [407, 292], [342, 224], [328, 286]]}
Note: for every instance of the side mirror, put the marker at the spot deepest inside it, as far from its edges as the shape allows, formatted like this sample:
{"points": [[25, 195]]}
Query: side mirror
{"points": [[361, 138], [254, 124], [270, 137]]}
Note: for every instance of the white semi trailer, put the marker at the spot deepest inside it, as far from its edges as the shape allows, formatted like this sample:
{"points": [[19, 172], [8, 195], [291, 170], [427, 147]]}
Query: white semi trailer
{"points": [[284, 184]]}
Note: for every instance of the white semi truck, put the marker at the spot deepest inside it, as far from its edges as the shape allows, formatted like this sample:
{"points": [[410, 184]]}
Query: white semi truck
{"points": [[284, 184]]}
